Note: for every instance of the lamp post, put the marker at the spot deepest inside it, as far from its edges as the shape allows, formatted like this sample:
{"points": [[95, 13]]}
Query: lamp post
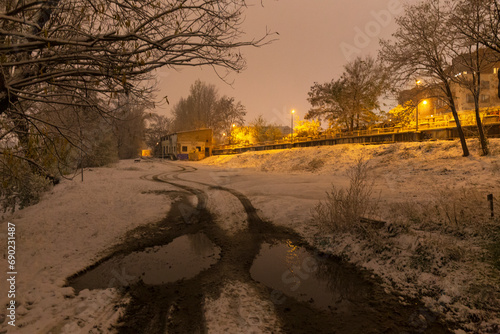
{"points": [[231, 133], [424, 101], [417, 83], [162, 149], [291, 125]]}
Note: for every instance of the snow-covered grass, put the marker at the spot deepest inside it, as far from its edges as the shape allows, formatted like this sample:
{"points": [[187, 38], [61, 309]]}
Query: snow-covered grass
{"points": [[72, 226], [439, 243]]}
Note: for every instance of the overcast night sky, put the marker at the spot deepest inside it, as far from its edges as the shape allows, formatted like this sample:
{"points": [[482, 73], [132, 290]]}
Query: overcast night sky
{"points": [[315, 39]]}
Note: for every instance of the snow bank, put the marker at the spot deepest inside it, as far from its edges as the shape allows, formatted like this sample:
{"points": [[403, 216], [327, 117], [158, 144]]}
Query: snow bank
{"points": [[72, 226], [331, 159]]}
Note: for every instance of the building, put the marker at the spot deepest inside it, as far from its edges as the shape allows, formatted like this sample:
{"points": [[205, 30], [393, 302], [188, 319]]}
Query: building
{"points": [[462, 67], [188, 145], [489, 90]]}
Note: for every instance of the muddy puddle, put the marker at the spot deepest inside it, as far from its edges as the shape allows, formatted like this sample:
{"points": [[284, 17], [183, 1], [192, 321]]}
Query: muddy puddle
{"points": [[292, 271], [183, 258], [315, 293]]}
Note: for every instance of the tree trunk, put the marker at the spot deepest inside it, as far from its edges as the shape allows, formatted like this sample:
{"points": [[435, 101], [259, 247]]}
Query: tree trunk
{"points": [[4, 95], [465, 150], [482, 137]]}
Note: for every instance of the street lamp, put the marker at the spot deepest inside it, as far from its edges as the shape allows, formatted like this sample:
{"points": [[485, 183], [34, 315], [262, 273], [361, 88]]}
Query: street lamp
{"points": [[231, 133], [424, 101], [291, 125], [417, 83]]}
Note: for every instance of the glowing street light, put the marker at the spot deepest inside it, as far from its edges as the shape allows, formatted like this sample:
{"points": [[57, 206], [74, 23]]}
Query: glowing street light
{"points": [[291, 125], [424, 101], [231, 133]]}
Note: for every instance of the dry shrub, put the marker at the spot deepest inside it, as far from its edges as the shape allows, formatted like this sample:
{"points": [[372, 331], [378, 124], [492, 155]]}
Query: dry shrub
{"points": [[342, 208], [456, 214], [458, 211], [387, 149], [20, 185], [410, 213], [315, 164], [462, 211]]}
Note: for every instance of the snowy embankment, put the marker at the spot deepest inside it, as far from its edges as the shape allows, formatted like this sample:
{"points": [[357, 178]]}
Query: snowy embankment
{"points": [[72, 226], [438, 244]]}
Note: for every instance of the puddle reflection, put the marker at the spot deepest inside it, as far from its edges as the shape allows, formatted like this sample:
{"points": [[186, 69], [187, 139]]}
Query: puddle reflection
{"points": [[294, 272], [184, 257]]}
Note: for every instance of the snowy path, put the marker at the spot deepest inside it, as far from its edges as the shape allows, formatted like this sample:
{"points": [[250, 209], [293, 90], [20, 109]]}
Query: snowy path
{"points": [[232, 207]]}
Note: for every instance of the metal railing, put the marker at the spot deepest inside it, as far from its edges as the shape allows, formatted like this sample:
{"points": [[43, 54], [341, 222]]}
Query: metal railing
{"points": [[439, 122]]}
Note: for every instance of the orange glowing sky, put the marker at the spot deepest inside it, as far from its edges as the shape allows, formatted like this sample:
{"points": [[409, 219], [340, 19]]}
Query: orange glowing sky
{"points": [[316, 38]]}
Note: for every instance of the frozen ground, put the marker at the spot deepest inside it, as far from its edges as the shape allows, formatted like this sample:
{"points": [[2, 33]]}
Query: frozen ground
{"points": [[446, 261], [76, 223], [69, 230]]}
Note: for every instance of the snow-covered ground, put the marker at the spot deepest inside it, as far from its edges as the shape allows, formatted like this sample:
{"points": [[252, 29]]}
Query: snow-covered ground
{"points": [[77, 222], [72, 226], [446, 260]]}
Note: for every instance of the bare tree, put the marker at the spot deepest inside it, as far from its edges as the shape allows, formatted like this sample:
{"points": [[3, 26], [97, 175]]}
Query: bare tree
{"points": [[328, 102], [422, 47], [203, 108], [56, 52], [468, 17], [197, 110], [85, 55], [229, 113], [486, 29], [262, 131], [351, 99], [109, 46], [157, 127]]}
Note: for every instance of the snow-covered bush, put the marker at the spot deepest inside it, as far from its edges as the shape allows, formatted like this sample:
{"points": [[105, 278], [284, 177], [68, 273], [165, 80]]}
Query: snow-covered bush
{"points": [[342, 209], [20, 186]]}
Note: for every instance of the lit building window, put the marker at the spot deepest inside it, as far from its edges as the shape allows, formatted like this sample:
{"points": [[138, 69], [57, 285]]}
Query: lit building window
{"points": [[485, 98]]}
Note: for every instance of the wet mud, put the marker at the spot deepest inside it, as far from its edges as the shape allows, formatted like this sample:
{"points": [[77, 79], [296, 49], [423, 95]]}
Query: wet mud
{"points": [[167, 269]]}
